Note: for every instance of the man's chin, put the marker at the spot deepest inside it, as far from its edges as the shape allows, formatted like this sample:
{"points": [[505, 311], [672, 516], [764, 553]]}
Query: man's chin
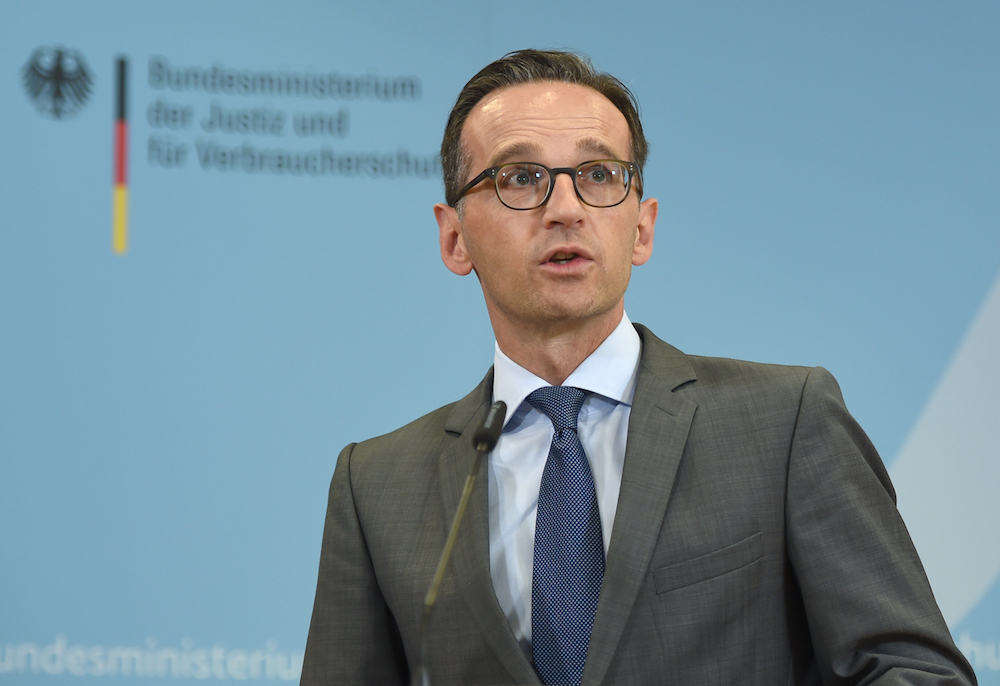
{"points": [[569, 316]]}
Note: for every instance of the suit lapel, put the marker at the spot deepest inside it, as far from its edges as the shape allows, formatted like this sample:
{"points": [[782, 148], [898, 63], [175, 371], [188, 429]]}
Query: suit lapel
{"points": [[471, 557], [658, 428]]}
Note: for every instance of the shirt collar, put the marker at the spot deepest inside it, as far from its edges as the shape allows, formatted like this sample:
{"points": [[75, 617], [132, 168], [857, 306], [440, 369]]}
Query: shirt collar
{"points": [[609, 371]]}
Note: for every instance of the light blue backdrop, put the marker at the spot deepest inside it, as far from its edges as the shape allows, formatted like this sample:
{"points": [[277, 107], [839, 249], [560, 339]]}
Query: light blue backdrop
{"points": [[829, 188]]}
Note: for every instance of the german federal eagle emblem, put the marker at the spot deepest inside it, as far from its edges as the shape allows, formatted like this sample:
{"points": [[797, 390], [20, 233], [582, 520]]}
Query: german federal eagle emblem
{"points": [[57, 81]]}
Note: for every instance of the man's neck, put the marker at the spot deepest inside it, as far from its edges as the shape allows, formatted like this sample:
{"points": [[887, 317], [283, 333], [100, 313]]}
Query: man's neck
{"points": [[553, 351]]}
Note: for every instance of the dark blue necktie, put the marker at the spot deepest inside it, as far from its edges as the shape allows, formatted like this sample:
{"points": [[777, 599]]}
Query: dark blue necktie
{"points": [[569, 548]]}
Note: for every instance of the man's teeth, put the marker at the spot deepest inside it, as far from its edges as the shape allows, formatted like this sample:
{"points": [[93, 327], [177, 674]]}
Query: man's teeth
{"points": [[563, 257]]}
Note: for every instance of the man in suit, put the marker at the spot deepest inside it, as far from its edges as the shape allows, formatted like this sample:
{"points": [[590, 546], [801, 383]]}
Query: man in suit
{"points": [[687, 520]]}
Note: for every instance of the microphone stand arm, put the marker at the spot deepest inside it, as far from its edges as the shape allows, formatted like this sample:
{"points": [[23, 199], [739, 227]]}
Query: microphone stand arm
{"points": [[484, 439]]}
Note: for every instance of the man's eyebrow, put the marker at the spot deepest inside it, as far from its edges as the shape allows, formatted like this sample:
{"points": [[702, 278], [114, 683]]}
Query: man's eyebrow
{"points": [[521, 151], [594, 146], [526, 151]]}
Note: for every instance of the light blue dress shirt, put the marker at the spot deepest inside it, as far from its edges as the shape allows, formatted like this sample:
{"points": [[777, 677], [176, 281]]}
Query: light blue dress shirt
{"points": [[515, 465]]}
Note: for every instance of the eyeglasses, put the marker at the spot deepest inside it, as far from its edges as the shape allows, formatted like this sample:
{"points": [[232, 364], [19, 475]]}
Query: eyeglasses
{"points": [[527, 185]]}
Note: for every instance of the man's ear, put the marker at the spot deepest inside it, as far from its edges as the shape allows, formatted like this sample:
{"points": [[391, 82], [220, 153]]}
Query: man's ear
{"points": [[453, 252], [643, 246]]}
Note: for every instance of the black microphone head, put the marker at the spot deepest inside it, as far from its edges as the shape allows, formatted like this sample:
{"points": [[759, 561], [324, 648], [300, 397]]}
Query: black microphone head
{"points": [[486, 435]]}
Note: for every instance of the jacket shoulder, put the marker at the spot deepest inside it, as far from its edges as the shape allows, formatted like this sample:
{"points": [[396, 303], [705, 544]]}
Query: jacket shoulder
{"points": [[697, 376], [425, 437]]}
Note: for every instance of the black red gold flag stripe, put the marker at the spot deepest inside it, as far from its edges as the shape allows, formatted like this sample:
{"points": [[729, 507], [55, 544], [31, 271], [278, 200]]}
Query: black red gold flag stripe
{"points": [[119, 222]]}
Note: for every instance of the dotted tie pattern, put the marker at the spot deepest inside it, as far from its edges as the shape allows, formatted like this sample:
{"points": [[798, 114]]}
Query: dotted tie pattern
{"points": [[569, 549]]}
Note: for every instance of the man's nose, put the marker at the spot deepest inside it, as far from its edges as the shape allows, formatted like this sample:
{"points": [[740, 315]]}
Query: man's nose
{"points": [[564, 206]]}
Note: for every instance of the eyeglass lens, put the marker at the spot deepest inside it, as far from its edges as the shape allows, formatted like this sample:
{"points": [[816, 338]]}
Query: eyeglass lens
{"points": [[602, 183]]}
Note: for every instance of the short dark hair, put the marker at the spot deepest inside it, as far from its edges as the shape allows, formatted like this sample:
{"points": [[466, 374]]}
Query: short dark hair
{"points": [[529, 66]]}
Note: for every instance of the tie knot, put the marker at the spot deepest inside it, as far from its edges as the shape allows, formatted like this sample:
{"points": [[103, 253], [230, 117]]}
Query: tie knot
{"points": [[561, 404]]}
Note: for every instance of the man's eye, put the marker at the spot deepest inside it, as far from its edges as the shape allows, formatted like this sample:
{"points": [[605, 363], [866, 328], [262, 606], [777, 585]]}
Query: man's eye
{"points": [[519, 177], [597, 174]]}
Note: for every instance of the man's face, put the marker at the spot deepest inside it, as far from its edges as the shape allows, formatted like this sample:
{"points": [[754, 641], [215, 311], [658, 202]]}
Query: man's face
{"points": [[562, 263]]}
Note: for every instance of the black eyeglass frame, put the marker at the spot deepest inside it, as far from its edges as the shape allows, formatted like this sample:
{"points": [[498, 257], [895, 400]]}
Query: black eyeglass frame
{"points": [[491, 173]]}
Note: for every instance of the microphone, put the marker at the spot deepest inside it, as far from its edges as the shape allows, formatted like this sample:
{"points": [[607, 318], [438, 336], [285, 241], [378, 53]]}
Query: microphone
{"points": [[484, 439], [486, 435]]}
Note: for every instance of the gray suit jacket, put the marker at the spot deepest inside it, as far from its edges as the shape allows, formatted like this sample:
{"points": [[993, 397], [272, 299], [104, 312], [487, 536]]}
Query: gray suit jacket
{"points": [[756, 542]]}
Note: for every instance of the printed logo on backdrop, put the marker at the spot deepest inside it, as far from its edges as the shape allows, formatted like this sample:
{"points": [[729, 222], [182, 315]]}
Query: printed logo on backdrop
{"points": [[221, 119], [57, 81], [187, 661]]}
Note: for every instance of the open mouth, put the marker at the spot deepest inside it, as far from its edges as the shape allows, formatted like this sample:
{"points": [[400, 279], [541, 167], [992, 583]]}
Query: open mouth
{"points": [[563, 257]]}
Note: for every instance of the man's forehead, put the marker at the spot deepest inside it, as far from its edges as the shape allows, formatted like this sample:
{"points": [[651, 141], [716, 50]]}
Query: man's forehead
{"points": [[526, 119]]}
